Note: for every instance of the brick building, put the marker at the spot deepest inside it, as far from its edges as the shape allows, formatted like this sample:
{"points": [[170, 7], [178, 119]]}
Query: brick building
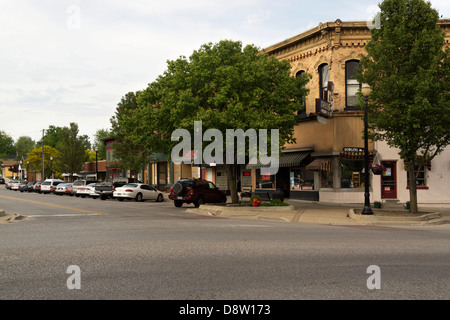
{"points": [[327, 160]]}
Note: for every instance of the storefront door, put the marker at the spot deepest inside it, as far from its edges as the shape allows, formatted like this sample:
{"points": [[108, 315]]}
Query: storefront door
{"points": [[389, 180]]}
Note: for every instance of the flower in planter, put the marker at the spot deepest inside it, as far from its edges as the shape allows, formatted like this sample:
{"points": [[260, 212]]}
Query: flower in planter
{"points": [[377, 168], [256, 202]]}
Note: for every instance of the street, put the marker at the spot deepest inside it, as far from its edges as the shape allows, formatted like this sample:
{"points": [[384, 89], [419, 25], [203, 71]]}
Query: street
{"points": [[154, 251]]}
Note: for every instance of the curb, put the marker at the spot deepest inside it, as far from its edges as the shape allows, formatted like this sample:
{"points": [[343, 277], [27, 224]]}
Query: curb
{"points": [[284, 214], [420, 220]]}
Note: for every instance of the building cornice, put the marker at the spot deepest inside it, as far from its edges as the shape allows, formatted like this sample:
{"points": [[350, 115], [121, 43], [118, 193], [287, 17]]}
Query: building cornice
{"points": [[329, 35]]}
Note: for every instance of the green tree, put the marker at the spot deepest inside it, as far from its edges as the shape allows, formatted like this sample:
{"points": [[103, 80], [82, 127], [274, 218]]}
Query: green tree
{"points": [[225, 86], [131, 155], [52, 136], [34, 159], [72, 150], [98, 143], [409, 71], [23, 145], [6, 145]]}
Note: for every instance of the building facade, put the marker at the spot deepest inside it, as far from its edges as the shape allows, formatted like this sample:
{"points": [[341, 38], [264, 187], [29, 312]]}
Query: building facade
{"points": [[330, 144]]}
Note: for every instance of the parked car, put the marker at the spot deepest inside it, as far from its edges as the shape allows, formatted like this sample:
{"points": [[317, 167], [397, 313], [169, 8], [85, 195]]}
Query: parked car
{"points": [[196, 191], [16, 184], [69, 189], [87, 191], [49, 185], [2, 180], [23, 186], [30, 186], [139, 192], [37, 186], [105, 190], [79, 184], [63, 188], [8, 184]]}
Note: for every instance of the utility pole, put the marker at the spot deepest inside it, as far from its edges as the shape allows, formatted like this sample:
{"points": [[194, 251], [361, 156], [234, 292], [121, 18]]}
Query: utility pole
{"points": [[43, 175]]}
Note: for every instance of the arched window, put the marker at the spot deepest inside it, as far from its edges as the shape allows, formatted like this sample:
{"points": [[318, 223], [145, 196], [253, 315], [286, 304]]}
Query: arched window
{"points": [[352, 86], [324, 76], [299, 74]]}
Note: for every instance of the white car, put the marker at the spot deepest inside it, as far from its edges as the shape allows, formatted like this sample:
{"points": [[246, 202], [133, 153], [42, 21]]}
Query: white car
{"points": [[87, 191], [139, 192], [15, 185], [49, 185]]}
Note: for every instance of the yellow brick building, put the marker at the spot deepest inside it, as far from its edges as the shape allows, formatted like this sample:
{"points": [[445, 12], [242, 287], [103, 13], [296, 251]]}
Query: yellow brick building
{"points": [[326, 163]]}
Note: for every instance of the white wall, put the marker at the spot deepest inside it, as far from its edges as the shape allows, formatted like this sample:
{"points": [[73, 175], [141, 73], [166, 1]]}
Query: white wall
{"points": [[437, 179]]}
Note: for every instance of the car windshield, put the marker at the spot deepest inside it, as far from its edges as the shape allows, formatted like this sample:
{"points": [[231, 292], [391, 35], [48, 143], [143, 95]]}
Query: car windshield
{"points": [[130, 186], [90, 185], [46, 183]]}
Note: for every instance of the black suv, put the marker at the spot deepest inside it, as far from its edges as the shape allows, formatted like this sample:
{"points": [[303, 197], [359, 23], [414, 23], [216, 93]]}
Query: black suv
{"points": [[196, 191]]}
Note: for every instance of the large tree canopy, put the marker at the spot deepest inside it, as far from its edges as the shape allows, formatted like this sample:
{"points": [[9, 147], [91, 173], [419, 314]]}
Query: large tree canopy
{"points": [[129, 152], [6, 145], [409, 71], [72, 148], [223, 85]]}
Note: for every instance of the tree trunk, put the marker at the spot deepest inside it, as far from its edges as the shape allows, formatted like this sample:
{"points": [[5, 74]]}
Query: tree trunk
{"points": [[231, 177], [412, 188]]}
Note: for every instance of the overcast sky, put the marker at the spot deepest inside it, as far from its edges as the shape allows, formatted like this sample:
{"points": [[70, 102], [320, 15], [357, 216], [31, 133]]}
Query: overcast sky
{"points": [[65, 61]]}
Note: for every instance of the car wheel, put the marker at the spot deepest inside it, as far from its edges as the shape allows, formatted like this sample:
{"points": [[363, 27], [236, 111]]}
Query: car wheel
{"points": [[178, 204], [138, 197], [199, 202], [223, 200], [120, 199], [159, 198], [103, 197], [178, 188]]}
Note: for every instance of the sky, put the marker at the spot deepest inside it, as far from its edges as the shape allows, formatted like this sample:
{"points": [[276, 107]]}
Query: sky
{"points": [[65, 61]]}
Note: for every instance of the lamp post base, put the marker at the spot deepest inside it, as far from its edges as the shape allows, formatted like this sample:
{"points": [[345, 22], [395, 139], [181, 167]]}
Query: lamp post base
{"points": [[367, 211]]}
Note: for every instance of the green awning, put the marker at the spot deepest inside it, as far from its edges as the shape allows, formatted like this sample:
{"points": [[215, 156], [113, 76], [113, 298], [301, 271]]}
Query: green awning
{"points": [[291, 159]]}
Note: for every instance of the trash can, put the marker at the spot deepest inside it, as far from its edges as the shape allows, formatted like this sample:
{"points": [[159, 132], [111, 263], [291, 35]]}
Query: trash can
{"points": [[408, 206]]}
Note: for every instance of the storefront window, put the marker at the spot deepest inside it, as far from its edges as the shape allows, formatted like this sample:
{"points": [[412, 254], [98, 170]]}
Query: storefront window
{"points": [[326, 179], [264, 180], [420, 179], [301, 179], [352, 173]]}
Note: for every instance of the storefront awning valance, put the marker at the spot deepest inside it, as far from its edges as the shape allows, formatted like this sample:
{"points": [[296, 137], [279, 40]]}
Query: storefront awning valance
{"points": [[291, 159], [321, 164]]}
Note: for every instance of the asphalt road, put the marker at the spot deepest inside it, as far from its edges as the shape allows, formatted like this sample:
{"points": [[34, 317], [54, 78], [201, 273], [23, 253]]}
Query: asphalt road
{"points": [[133, 251]]}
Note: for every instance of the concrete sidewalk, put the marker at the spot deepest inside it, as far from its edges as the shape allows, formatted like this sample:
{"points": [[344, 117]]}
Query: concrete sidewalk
{"points": [[328, 214]]}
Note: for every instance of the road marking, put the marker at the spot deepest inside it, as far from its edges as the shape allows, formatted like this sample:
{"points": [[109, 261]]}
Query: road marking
{"points": [[57, 206], [61, 215]]}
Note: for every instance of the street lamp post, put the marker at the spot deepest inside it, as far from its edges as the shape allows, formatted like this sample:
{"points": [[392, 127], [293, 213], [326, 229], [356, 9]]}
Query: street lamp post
{"points": [[365, 90], [96, 164], [51, 167]]}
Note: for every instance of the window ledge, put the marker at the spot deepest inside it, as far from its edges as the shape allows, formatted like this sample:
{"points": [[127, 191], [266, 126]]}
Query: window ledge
{"points": [[420, 188]]}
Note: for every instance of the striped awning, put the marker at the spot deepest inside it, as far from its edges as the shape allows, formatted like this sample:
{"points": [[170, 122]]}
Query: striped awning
{"points": [[321, 164], [291, 159]]}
